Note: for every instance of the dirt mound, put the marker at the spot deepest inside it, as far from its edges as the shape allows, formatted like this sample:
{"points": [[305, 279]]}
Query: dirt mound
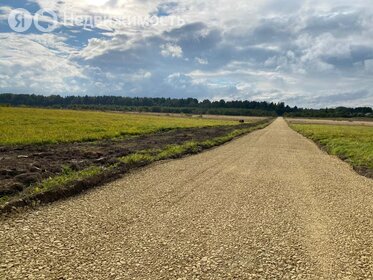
{"points": [[22, 166]]}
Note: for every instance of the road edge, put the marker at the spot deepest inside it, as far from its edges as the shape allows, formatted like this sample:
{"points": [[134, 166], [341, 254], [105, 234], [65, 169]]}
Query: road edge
{"points": [[76, 187], [360, 170]]}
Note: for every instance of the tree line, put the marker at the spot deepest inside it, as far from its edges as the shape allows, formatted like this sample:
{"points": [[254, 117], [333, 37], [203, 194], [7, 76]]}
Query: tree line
{"points": [[183, 105]]}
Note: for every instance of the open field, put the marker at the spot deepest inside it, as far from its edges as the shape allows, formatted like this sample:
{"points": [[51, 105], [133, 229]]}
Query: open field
{"points": [[57, 164], [35, 126], [269, 205], [248, 119], [354, 121], [354, 144]]}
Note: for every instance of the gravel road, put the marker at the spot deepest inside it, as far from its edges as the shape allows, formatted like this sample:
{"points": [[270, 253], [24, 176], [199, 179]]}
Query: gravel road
{"points": [[269, 205]]}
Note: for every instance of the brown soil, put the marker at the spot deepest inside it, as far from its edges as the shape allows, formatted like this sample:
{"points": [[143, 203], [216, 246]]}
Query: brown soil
{"points": [[269, 205], [22, 166], [364, 171]]}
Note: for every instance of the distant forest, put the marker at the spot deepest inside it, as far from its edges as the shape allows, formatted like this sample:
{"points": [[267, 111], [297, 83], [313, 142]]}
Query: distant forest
{"points": [[186, 106]]}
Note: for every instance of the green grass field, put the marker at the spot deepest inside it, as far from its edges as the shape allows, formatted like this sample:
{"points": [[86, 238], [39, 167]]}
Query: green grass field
{"points": [[352, 143], [36, 126]]}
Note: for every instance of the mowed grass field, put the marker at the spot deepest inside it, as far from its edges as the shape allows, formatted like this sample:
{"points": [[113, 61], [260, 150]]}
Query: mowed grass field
{"points": [[36, 126], [352, 143]]}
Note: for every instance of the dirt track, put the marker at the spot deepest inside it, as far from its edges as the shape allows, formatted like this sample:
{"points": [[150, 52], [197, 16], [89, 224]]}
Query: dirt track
{"points": [[269, 205]]}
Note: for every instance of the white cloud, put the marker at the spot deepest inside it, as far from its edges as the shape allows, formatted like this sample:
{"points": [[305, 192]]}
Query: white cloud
{"points": [[39, 63], [369, 65], [201, 61], [278, 50], [138, 76], [172, 50]]}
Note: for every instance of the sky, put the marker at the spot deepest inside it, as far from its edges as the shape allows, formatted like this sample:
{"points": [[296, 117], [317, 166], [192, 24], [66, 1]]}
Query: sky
{"points": [[306, 53]]}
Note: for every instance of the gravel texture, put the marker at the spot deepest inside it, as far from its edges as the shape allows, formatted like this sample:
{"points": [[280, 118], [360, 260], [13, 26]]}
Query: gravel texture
{"points": [[269, 205]]}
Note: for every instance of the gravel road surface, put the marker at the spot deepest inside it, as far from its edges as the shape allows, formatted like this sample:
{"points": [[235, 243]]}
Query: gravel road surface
{"points": [[269, 205]]}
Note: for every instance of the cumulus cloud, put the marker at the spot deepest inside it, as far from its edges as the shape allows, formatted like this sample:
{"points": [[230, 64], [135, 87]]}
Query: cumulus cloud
{"points": [[38, 63], [201, 60], [171, 50], [305, 53]]}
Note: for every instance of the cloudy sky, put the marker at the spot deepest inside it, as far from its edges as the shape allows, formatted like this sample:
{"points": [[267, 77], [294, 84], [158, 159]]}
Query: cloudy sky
{"points": [[307, 53]]}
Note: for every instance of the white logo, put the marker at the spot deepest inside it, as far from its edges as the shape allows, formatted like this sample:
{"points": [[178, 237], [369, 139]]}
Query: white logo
{"points": [[48, 17], [20, 20]]}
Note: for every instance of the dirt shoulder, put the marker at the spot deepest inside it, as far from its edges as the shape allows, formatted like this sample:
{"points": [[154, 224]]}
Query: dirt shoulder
{"points": [[362, 169], [23, 167], [268, 205]]}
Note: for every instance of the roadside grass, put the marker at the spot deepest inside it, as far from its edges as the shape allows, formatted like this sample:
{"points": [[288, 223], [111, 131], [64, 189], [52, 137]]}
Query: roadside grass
{"points": [[4, 199], [191, 147], [353, 144], [171, 151], [68, 179], [45, 126]]}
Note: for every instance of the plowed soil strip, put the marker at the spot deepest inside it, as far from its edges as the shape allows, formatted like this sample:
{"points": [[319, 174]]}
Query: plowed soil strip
{"points": [[22, 166]]}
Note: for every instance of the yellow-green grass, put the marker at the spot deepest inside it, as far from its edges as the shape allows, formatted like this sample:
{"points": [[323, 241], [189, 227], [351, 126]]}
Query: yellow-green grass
{"points": [[35, 126], [352, 143], [142, 157]]}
